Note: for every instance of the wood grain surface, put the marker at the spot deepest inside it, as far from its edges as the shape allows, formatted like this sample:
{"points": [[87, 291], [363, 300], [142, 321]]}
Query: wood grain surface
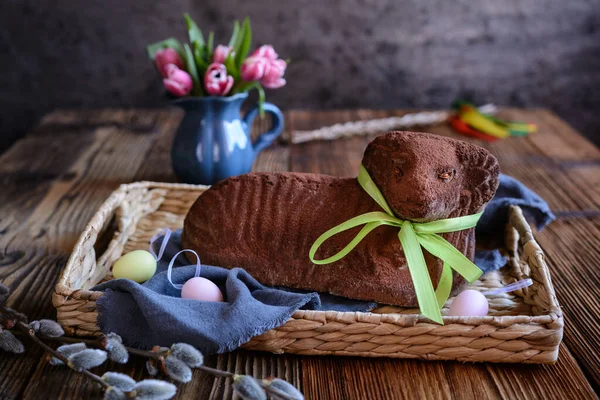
{"points": [[54, 179]]}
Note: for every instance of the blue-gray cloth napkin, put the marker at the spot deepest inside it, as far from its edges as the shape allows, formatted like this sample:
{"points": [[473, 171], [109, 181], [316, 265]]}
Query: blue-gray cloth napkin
{"points": [[155, 314], [490, 227]]}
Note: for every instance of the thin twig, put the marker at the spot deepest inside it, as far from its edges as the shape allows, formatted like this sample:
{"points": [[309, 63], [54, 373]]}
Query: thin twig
{"points": [[31, 335], [216, 372], [159, 356], [9, 313], [143, 353], [68, 339]]}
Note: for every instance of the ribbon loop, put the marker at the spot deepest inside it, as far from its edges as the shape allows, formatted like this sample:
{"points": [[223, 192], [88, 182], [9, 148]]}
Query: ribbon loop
{"points": [[166, 233], [412, 236], [371, 221], [170, 268]]}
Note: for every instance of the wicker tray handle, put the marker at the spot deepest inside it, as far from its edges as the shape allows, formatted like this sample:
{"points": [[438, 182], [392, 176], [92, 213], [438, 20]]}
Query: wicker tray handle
{"points": [[543, 298], [129, 204]]}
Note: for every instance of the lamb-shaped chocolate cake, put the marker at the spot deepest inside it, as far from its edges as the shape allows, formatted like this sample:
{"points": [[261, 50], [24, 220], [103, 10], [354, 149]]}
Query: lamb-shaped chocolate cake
{"points": [[266, 223]]}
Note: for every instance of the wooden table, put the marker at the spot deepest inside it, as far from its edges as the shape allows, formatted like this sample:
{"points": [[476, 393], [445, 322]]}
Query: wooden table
{"points": [[53, 180]]}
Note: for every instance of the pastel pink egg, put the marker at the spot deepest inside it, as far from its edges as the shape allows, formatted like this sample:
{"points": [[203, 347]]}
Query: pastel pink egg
{"points": [[201, 289], [469, 303]]}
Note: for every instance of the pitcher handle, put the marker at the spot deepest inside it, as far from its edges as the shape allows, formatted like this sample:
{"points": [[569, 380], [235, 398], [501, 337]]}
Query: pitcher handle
{"points": [[266, 138]]}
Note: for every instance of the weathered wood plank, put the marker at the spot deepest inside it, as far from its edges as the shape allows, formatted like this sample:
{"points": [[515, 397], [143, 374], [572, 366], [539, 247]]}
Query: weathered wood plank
{"points": [[561, 380], [572, 250], [39, 231], [355, 378], [29, 170]]}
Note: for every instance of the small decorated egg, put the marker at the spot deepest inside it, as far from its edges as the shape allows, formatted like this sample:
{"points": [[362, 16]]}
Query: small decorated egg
{"points": [[201, 289], [139, 266], [469, 303]]}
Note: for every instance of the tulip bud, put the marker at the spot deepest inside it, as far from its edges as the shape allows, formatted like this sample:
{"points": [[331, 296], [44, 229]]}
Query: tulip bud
{"points": [[272, 78], [220, 54], [178, 82], [264, 66], [253, 68], [266, 51], [165, 57], [216, 80]]}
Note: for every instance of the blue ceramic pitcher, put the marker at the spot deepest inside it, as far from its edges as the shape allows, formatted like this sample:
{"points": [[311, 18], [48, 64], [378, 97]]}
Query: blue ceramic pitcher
{"points": [[213, 142]]}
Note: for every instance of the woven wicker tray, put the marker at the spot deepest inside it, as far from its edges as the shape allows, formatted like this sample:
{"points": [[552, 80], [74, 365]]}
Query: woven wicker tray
{"points": [[523, 326]]}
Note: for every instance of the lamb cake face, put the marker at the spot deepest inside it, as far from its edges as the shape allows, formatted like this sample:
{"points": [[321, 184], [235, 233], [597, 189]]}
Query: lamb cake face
{"points": [[267, 222]]}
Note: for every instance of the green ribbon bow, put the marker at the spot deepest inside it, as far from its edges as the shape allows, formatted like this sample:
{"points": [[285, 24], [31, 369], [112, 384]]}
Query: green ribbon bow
{"points": [[413, 236]]}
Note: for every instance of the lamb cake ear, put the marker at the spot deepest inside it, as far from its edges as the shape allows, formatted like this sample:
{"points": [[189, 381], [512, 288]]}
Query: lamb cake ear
{"points": [[480, 173], [376, 154]]}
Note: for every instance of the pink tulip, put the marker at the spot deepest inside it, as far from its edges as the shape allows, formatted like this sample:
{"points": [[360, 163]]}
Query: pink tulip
{"points": [[273, 77], [264, 66], [216, 80], [178, 82], [220, 54], [165, 57], [266, 51], [254, 68]]}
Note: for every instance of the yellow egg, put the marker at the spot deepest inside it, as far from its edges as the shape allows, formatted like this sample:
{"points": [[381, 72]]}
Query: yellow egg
{"points": [[139, 266]]}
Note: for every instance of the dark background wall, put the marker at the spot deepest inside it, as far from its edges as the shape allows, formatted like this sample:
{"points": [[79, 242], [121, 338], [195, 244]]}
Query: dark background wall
{"points": [[345, 53]]}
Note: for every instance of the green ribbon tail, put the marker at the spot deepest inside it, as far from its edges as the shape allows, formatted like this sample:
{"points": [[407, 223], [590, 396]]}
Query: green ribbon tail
{"points": [[444, 287], [420, 275], [371, 221], [442, 249]]}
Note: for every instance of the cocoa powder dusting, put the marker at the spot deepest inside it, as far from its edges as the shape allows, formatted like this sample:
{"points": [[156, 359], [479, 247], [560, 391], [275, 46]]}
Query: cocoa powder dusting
{"points": [[267, 222]]}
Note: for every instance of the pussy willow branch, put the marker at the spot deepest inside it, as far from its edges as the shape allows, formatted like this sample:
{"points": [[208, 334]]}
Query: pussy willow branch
{"points": [[143, 353], [158, 356], [27, 331]]}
